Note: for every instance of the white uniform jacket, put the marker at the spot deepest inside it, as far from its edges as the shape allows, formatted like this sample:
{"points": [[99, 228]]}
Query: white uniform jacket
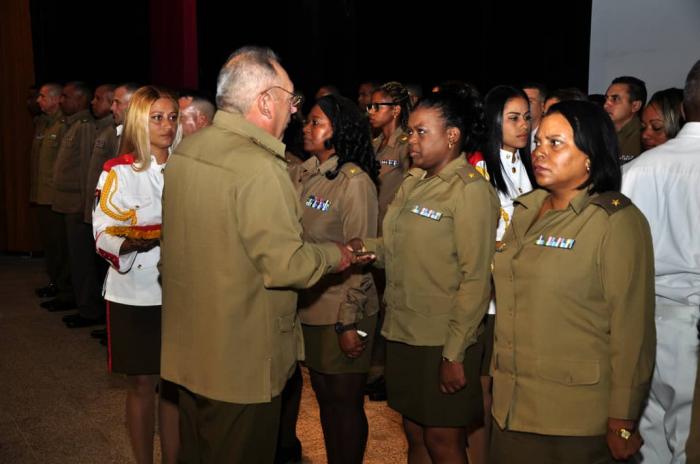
{"points": [[128, 202]]}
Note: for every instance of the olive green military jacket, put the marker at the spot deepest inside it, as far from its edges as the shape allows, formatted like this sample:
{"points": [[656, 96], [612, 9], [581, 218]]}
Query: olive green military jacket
{"points": [[630, 140], [231, 252], [337, 210], [394, 164], [104, 149], [439, 239], [41, 123], [48, 150], [72, 162], [574, 337]]}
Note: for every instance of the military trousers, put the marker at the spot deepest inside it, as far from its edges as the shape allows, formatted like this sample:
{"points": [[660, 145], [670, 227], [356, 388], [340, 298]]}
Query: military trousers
{"points": [[83, 267], [218, 432], [53, 239]]}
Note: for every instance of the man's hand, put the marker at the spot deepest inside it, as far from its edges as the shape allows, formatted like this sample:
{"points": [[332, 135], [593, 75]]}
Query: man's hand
{"points": [[452, 377], [620, 448], [351, 344], [346, 258], [361, 255]]}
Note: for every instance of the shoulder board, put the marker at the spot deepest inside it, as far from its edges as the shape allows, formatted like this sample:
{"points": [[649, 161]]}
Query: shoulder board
{"points": [[611, 202], [351, 170], [122, 159], [468, 174], [403, 139]]}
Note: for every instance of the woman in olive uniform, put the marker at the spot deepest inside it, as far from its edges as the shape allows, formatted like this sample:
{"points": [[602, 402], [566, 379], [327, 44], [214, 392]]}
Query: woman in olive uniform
{"points": [[388, 113], [439, 238], [574, 278], [339, 201]]}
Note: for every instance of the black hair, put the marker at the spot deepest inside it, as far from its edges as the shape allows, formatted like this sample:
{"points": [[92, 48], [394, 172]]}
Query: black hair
{"points": [[669, 103], [568, 93], [594, 135], [460, 108], [398, 95], [458, 88], [494, 103], [691, 93], [597, 98], [636, 88], [536, 85], [351, 135]]}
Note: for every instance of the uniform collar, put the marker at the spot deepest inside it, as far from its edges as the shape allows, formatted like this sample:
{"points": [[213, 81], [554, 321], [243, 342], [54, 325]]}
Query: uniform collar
{"points": [[632, 126], [236, 122], [447, 173], [312, 166], [393, 138], [77, 116], [510, 157], [107, 121], [55, 116], [534, 200]]}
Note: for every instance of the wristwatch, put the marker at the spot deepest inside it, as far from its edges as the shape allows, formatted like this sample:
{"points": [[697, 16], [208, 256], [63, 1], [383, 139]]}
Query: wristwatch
{"points": [[623, 433], [340, 328]]}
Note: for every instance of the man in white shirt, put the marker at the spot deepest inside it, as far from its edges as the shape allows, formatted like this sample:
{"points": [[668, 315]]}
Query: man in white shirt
{"points": [[665, 184]]}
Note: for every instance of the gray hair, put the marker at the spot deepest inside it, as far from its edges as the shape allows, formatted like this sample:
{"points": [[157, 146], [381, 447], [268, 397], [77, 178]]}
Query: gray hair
{"points": [[54, 89], [247, 72]]}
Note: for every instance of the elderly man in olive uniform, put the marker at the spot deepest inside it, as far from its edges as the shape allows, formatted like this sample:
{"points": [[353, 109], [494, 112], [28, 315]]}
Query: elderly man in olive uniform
{"points": [[665, 184], [231, 254], [51, 225], [624, 101], [69, 200]]}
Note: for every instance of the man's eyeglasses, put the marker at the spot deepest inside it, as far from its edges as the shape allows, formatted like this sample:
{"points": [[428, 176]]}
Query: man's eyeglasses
{"points": [[295, 99], [375, 106]]}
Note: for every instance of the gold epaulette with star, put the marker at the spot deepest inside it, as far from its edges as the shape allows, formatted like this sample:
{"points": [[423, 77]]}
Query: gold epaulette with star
{"points": [[468, 174], [351, 170], [611, 202]]}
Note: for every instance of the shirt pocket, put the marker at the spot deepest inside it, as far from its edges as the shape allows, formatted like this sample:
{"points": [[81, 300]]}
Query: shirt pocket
{"points": [[569, 372]]}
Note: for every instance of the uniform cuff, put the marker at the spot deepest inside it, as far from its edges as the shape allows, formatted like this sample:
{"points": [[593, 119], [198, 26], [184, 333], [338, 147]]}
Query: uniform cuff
{"points": [[626, 403]]}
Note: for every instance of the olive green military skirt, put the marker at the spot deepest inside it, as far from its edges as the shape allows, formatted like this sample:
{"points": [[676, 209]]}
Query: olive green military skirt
{"points": [[413, 386], [323, 354], [486, 340]]}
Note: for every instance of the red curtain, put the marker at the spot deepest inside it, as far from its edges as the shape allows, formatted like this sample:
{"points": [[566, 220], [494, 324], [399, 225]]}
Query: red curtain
{"points": [[174, 60]]}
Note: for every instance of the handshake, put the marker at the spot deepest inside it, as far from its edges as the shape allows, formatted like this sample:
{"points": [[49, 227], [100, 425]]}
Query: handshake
{"points": [[353, 253]]}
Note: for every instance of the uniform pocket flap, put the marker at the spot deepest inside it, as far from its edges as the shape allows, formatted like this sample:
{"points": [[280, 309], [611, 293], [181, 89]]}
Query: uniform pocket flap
{"points": [[286, 323], [569, 372]]}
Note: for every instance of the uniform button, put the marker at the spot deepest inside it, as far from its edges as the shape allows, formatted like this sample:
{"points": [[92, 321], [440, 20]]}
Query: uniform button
{"points": [[137, 207], [138, 266]]}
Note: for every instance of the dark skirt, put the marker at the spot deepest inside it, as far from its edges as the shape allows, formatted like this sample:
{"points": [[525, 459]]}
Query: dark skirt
{"points": [[323, 353], [134, 339], [486, 340], [413, 386]]}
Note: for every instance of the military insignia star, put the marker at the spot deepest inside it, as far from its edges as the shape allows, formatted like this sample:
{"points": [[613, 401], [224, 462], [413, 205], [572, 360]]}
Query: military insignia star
{"points": [[616, 202]]}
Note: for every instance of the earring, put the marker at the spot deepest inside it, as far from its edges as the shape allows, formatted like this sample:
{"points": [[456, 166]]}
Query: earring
{"points": [[450, 144], [588, 165]]}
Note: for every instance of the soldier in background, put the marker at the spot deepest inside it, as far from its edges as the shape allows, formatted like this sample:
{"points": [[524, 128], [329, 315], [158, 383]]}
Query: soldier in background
{"points": [[51, 228]]}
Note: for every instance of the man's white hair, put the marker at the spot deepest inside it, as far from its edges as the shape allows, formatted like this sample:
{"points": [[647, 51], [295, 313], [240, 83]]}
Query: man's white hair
{"points": [[248, 71]]}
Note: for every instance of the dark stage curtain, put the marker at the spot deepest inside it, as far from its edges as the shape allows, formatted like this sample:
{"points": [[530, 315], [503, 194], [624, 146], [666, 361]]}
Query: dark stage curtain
{"points": [[18, 231], [174, 43]]}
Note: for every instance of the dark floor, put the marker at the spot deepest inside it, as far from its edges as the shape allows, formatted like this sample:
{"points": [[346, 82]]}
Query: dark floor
{"points": [[58, 404]]}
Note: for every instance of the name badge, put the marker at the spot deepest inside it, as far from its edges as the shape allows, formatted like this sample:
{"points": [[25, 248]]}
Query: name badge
{"points": [[427, 213], [318, 203], [555, 242], [390, 163]]}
